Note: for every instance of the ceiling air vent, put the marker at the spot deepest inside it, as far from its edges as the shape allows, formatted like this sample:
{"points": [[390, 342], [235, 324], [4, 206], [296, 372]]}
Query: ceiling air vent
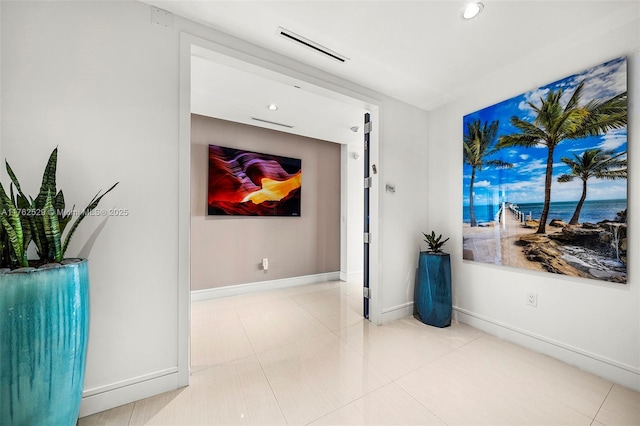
{"points": [[311, 44], [272, 122]]}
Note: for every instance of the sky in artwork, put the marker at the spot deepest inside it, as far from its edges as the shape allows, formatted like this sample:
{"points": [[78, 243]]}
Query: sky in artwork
{"points": [[524, 182]]}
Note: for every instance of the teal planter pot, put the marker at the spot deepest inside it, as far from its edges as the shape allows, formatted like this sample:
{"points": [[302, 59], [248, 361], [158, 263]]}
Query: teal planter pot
{"points": [[44, 320], [432, 301]]}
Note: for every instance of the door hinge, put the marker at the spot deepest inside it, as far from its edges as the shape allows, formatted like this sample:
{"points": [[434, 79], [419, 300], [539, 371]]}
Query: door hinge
{"points": [[367, 127], [368, 182], [366, 293], [367, 237]]}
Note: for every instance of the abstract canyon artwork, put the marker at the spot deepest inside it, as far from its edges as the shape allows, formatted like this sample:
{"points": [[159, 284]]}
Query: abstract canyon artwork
{"points": [[545, 177], [248, 183]]}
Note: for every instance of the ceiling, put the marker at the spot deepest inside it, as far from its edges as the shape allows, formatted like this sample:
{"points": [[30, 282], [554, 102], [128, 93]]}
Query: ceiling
{"points": [[419, 52], [237, 91]]}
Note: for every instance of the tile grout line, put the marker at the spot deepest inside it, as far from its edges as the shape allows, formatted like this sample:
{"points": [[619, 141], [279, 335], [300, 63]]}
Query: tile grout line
{"points": [[275, 397], [441, 356], [601, 405], [131, 415], [244, 329], [415, 399], [349, 402], [395, 381], [256, 353], [311, 313], [264, 373], [544, 392], [334, 332]]}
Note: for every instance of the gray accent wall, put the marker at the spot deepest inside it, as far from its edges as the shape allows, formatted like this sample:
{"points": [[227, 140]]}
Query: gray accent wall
{"points": [[228, 250]]}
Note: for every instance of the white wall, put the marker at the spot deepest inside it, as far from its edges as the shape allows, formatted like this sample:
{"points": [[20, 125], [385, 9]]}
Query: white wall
{"points": [[594, 325], [101, 82], [352, 220], [403, 214]]}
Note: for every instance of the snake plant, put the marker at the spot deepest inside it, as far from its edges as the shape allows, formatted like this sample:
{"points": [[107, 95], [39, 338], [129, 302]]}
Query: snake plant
{"points": [[435, 243], [42, 220]]}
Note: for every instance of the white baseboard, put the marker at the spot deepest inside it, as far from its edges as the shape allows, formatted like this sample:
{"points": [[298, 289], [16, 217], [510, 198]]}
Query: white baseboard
{"points": [[234, 290], [396, 312], [114, 395], [617, 372]]}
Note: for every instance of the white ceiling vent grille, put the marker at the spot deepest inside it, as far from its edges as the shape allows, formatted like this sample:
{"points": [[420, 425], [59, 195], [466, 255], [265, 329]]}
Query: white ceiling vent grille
{"points": [[272, 122], [290, 35]]}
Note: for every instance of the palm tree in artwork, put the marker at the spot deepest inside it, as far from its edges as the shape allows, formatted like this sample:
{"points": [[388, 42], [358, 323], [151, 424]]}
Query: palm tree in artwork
{"points": [[595, 163], [555, 123], [478, 144]]}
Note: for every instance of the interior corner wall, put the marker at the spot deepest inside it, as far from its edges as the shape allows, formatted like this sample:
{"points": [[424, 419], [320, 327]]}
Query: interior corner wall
{"points": [[228, 250], [403, 209], [591, 324]]}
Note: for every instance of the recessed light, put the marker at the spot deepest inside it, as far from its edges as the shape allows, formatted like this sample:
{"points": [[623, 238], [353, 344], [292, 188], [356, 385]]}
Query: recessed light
{"points": [[471, 10], [273, 107]]}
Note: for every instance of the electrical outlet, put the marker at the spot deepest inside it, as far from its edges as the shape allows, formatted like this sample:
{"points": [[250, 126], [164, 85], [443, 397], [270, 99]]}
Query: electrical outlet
{"points": [[532, 299], [265, 264]]}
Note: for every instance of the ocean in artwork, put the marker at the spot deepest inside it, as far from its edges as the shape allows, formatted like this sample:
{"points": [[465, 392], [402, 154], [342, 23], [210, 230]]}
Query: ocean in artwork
{"points": [[593, 211]]}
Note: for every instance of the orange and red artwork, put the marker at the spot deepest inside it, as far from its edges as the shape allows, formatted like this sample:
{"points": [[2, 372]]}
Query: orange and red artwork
{"points": [[248, 183]]}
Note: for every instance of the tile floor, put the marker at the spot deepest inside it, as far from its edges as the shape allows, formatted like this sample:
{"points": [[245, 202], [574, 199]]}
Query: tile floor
{"points": [[304, 355]]}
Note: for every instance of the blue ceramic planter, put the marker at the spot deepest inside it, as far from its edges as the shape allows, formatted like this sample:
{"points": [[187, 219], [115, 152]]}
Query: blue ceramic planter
{"points": [[433, 289], [44, 319]]}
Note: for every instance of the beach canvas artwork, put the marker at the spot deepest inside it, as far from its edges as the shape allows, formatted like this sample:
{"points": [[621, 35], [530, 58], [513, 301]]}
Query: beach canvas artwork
{"points": [[247, 183], [545, 177]]}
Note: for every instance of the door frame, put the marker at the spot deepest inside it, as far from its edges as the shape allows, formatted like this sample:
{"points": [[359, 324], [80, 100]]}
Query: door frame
{"points": [[227, 55]]}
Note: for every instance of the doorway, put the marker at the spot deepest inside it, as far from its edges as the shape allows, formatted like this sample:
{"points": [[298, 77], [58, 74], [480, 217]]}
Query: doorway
{"points": [[194, 46]]}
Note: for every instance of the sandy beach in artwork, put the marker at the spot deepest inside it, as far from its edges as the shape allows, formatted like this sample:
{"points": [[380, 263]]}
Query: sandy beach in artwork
{"points": [[495, 243], [511, 243]]}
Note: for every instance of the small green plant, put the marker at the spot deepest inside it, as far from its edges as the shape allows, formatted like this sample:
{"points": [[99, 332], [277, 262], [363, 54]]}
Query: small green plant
{"points": [[435, 243], [42, 220]]}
